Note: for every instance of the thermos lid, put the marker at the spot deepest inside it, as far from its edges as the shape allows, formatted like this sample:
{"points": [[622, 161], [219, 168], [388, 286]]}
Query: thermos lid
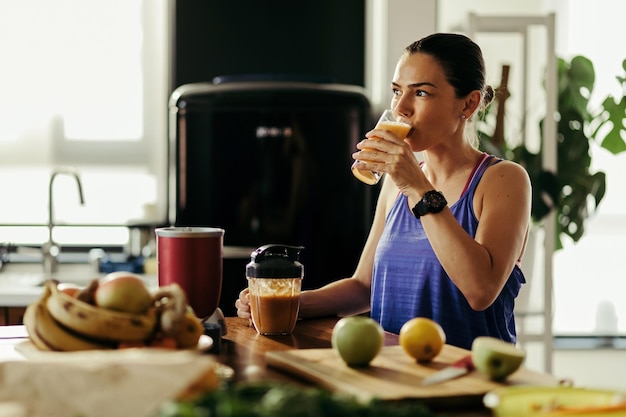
{"points": [[275, 261]]}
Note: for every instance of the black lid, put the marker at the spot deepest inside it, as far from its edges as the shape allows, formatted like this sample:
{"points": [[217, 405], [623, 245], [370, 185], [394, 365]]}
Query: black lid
{"points": [[275, 261]]}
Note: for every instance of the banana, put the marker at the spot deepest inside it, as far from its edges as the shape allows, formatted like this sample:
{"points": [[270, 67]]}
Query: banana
{"points": [[48, 335], [189, 332], [172, 306], [98, 322], [30, 321]]}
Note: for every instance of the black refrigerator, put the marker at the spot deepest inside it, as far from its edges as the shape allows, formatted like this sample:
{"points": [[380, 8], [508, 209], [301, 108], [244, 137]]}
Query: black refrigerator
{"points": [[269, 162]]}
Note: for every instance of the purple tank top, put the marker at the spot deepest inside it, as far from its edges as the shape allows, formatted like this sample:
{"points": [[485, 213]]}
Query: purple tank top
{"points": [[408, 280]]}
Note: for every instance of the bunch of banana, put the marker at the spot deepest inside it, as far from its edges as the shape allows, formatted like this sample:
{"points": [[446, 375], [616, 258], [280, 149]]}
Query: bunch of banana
{"points": [[63, 322], [97, 322], [176, 318], [48, 334]]}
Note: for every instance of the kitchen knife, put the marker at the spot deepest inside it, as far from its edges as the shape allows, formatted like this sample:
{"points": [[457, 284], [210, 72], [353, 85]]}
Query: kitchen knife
{"points": [[459, 368]]}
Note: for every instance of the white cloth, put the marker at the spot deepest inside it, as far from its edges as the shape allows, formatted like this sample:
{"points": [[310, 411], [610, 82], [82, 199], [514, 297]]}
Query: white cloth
{"points": [[117, 383]]}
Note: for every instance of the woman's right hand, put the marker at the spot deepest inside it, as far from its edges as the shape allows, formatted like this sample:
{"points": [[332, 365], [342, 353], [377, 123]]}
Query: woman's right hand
{"points": [[243, 304]]}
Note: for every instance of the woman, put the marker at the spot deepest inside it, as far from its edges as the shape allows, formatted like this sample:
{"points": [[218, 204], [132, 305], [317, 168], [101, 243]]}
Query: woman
{"points": [[448, 233]]}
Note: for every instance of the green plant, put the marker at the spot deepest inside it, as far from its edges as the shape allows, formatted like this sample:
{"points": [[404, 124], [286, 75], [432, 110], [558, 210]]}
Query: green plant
{"points": [[276, 399], [574, 191]]}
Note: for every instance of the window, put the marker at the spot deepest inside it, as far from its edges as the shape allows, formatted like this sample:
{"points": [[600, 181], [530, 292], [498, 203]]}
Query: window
{"points": [[589, 281], [83, 84]]}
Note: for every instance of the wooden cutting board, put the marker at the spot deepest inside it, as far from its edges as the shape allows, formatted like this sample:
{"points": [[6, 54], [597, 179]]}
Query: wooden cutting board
{"points": [[393, 375]]}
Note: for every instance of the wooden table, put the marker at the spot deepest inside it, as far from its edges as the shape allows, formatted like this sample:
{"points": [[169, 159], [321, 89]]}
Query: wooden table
{"points": [[243, 349]]}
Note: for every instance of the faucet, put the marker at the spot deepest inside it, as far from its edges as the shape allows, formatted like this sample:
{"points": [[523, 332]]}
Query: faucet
{"points": [[50, 250]]}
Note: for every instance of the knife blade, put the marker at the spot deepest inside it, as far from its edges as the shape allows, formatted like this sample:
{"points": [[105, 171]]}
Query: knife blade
{"points": [[459, 368]]}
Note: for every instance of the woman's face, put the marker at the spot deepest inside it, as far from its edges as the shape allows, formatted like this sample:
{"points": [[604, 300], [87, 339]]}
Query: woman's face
{"points": [[423, 94]]}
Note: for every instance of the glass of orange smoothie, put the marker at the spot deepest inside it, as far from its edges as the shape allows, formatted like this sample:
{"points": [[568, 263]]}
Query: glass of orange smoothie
{"points": [[393, 122]]}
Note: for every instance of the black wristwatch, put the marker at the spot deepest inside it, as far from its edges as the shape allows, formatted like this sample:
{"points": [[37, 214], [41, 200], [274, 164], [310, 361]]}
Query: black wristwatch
{"points": [[432, 202]]}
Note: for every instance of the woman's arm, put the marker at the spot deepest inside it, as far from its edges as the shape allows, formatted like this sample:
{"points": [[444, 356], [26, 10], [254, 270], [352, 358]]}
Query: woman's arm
{"points": [[480, 266]]}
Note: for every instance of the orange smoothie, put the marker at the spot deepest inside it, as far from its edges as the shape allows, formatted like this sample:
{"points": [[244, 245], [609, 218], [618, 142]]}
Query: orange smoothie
{"points": [[401, 130], [274, 314]]}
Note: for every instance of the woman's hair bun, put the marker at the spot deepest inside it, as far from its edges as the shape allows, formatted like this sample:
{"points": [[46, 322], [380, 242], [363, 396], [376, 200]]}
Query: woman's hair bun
{"points": [[488, 95]]}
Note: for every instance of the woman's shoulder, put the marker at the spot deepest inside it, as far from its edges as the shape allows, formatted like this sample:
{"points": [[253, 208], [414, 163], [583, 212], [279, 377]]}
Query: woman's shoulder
{"points": [[506, 165], [508, 170]]}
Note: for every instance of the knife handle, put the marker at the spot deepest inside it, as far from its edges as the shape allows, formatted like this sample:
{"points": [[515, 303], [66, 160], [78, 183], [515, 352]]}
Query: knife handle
{"points": [[465, 362]]}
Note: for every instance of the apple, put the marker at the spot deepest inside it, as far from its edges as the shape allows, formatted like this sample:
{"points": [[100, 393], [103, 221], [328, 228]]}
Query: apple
{"points": [[357, 340], [496, 358], [68, 288], [123, 291]]}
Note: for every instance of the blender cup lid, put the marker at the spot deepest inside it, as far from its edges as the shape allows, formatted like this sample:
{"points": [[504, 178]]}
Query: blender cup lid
{"points": [[275, 261]]}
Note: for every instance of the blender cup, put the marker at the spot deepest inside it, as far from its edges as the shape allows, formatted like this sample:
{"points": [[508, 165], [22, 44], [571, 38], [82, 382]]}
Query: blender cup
{"points": [[275, 279]]}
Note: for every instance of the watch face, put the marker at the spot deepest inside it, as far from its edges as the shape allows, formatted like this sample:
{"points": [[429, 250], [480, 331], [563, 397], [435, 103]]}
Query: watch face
{"points": [[434, 201]]}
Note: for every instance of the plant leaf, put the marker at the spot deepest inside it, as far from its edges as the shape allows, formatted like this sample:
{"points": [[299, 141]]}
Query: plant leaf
{"points": [[613, 141], [576, 82]]}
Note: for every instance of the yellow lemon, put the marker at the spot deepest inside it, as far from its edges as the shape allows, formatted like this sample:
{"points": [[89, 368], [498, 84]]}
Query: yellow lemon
{"points": [[422, 338]]}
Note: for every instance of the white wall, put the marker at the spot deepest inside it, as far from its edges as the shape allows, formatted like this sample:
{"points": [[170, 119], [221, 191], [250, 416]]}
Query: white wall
{"points": [[391, 25]]}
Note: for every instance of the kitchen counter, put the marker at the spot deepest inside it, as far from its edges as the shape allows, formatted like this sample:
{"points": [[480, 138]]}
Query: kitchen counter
{"points": [[243, 350]]}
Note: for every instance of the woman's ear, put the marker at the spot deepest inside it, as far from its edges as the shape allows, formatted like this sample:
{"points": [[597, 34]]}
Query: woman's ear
{"points": [[472, 102]]}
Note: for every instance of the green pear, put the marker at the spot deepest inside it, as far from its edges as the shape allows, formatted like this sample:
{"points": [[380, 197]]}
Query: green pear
{"points": [[496, 358]]}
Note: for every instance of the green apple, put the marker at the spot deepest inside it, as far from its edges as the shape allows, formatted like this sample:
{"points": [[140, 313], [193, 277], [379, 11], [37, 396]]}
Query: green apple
{"points": [[496, 358], [357, 339]]}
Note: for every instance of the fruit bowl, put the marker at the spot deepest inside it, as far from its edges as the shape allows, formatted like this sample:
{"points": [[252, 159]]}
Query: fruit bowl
{"points": [[522, 401]]}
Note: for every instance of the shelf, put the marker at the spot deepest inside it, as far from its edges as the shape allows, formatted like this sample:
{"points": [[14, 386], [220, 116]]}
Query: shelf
{"points": [[521, 25]]}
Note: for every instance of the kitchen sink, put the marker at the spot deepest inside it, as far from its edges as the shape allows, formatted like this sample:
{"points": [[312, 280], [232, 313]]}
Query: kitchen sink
{"points": [[32, 274], [21, 283]]}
